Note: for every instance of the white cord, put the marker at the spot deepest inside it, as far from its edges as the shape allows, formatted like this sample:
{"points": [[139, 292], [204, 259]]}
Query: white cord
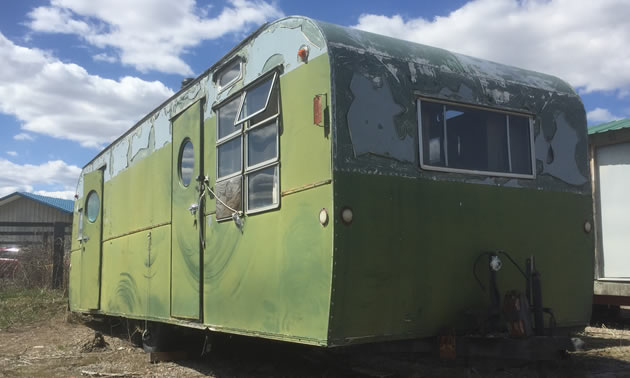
{"points": [[223, 203]]}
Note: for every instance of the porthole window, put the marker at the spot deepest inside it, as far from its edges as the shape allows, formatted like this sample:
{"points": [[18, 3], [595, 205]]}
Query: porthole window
{"points": [[186, 162], [93, 205]]}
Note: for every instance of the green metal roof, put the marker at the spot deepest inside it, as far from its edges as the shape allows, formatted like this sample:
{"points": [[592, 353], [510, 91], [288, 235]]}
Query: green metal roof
{"points": [[60, 204], [609, 126]]}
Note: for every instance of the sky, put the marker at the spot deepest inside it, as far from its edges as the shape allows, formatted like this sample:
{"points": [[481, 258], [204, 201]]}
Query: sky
{"points": [[76, 74]]}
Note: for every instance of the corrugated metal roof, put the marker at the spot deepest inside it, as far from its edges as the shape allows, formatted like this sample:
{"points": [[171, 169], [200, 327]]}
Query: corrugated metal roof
{"points": [[609, 126], [58, 203]]}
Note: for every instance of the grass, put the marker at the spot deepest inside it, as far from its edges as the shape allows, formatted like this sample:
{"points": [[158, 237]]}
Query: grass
{"points": [[20, 306]]}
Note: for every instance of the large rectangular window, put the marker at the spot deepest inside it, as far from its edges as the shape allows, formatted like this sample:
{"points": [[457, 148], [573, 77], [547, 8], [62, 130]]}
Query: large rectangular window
{"points": [[248, 149], [460, 138]]}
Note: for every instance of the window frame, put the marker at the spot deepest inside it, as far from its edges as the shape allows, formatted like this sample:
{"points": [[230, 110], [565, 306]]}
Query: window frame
{"points": [[180, 162], [238, 130], [226, 68], [447, 169], [244, 128], [246, 191], [244, 94], [216, 148], [87, 207]]}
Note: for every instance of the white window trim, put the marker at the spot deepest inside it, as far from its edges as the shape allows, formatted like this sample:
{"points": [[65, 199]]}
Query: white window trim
{"points": [[242, 133], [240, 107], [240, 126], [470, 171], [221, 88], [246, 191], [249, 168], [216, 148]]}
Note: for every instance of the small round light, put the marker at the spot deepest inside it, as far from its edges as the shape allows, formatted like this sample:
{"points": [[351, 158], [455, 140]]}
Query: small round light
{"points": [[588, 227], [323, 217], [346, 215]]}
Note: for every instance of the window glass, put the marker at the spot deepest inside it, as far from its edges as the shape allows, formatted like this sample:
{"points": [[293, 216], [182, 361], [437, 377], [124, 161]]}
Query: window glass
{"points": [[93, 204], [255, 99], [262, 188], [226, 116], [186, 162], [230, 73], [80, 233], [476, 139], [433, 133], [466, 138], [520, 147], [262, 143], [229, 157], [271, 110]]}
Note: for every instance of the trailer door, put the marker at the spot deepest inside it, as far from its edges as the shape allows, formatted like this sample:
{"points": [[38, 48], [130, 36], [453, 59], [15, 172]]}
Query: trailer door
{"points": [[186, 289], [90, 240]]}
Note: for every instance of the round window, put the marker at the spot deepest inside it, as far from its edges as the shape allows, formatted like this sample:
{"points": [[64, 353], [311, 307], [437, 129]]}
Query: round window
{"points": [[186, 162], [93, 205]]}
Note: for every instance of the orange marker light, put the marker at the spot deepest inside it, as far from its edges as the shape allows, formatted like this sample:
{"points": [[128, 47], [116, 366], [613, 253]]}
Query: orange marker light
{"points": [[303, 54]]}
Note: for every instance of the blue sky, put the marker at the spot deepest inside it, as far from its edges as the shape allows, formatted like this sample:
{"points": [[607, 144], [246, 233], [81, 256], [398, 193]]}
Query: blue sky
{"points": [[76, 74]]}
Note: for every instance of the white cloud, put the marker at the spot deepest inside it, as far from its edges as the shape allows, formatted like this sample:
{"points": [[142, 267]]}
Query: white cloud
{"points": [[103, 57], [12, 153], [149, 35], [22, 136], [63, 194], [55, 174], [64, 101], [584, 42], [599, 115]]}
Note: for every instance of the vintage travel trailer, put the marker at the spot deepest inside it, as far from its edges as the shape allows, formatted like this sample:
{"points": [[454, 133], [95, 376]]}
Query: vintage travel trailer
{"points": [[329, 186]]}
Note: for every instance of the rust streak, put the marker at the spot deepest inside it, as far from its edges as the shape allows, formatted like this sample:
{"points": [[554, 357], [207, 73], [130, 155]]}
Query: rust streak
{"points": [[305, 187], [136, 231]]}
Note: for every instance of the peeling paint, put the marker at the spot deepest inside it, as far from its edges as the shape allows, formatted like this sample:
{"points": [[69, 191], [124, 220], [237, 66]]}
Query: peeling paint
{"points": [[280, 40], [371, 121], [162, 129], [119, 157], [561, 164]]}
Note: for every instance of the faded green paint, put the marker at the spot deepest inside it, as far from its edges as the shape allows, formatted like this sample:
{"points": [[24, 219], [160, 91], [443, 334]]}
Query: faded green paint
{"points": [[275, 281], [186, 255], [136, 271], [74, 286], [145, 188], [410, 273], [91, 244]]}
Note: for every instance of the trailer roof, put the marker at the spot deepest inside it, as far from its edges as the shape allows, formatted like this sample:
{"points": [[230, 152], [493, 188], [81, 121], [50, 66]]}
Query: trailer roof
{"points": [[64, 205], [610, 126], [438, 59]]}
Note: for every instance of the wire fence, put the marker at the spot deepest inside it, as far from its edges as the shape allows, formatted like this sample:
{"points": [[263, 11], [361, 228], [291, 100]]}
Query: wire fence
{"points": [[33, 267]]}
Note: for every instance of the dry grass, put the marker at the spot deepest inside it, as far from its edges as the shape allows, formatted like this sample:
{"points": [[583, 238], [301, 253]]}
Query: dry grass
{"points": [[19, 306], [26, 295]]}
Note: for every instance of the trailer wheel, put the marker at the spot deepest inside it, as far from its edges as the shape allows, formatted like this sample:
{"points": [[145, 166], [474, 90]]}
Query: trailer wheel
{"points": [[153, 338]]}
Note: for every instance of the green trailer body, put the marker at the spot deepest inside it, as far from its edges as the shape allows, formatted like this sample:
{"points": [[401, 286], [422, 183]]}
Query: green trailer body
{"points": [[228, 207]]}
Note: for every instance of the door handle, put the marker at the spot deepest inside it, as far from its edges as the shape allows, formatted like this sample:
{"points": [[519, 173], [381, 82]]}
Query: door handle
{"points": [[193, 208]]}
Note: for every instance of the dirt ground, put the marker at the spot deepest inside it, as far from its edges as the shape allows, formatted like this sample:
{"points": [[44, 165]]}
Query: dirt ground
{"points": [[63, 347]]}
